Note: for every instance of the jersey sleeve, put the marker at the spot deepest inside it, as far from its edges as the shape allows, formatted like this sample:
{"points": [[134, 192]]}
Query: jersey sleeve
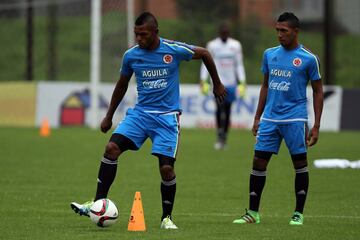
{"points": [[314, 69], [265, 66], [240, 70], [125, 67], [184, 51]]}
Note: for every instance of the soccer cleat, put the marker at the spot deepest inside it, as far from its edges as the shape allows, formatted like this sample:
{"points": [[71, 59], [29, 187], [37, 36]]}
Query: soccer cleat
{"points": [[297, 219], [248, 217], [82, 209], [219, 146], [167, 223]]}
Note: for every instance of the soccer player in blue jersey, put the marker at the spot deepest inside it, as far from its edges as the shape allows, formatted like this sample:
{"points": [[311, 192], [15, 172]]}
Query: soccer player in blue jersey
{"points": [[155, 63], [282, 114]]}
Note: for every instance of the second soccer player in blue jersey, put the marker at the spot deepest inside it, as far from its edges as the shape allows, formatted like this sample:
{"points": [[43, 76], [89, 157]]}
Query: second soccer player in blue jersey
{"points": [[282, 114]]}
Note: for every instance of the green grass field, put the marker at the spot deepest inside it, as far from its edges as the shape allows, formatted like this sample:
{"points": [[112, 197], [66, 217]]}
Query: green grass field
{"points": [[41, 176]]}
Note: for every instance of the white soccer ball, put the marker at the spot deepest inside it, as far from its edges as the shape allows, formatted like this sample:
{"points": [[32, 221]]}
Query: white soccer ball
{"points": [[104, 213]]}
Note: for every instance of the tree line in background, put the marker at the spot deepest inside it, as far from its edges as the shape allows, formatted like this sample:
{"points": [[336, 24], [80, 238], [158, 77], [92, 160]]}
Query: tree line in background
{"points": [[61, 45]]}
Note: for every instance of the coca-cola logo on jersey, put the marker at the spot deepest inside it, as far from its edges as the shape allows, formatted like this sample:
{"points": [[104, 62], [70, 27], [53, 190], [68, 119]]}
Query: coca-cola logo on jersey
{"points": [[160, 83], [280, 86]]}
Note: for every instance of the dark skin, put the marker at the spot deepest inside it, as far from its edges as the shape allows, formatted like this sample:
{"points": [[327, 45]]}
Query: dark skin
{"points": [[224, 32], [288, 38], [146, 36]]}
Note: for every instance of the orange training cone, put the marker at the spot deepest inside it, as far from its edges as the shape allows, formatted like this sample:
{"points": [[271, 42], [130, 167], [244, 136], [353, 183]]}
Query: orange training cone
{"points": [[45, 128], [137, 220]]}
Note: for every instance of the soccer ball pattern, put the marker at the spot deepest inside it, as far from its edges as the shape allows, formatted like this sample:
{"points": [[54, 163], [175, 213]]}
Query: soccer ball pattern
{"points": [[104, 213]]}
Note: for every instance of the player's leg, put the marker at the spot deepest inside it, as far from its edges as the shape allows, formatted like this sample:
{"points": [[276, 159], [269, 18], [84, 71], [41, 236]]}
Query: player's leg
{"points": [[256, 186], [128, 135], [220, 125], [268, 142], [223, 117], [167, 188], [295, 139], [106, 176], [301, 187], [108, 166], [258, 178], [227, 120], [107, 170], [165, 136]]}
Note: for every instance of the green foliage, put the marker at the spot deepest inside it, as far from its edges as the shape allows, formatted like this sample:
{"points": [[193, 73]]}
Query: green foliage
{"points": [[205, 11], [347, 54], [114, 44], [73, 52], [12, 57], [248, 33], [39, 182]]}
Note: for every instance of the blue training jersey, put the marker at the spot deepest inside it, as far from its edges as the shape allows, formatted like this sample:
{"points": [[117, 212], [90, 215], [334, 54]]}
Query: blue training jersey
{"points": [[157, 74], [289, 73]]}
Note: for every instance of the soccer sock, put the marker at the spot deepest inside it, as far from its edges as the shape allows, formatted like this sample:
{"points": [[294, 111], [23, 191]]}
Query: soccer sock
{"points": [[106, 176], [301, 187], [220, 122], [257, 183], [168, 190]]}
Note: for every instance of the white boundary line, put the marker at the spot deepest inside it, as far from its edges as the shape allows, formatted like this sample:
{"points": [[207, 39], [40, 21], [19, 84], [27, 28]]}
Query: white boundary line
{"points": [[266, 215]]}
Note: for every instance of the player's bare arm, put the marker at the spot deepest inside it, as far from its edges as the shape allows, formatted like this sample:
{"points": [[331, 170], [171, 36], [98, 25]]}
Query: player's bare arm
{"points": [[261, 104], [118, 94], [218, 87], [318, 102]]}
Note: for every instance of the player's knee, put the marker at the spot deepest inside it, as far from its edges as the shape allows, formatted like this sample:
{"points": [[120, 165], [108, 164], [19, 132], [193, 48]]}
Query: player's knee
{"points": [[261, 160], [167, 172], [112, 150], [299, 160], [259, 164], [166, 166], [123, 143]]}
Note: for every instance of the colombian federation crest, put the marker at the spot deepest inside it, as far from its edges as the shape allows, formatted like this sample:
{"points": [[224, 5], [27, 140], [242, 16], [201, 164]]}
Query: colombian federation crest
{"points": [[297, 62], [167, 58]]}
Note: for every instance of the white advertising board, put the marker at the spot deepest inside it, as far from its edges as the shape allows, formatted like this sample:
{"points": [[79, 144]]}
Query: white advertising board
{"points": [[65, 103]]}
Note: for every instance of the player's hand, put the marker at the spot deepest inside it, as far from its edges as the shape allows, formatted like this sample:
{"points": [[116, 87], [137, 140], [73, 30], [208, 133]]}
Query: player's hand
{"points": [[106, 124], [313, 136], [205, 88], [219, 92], [255, 126], [241, 89]]}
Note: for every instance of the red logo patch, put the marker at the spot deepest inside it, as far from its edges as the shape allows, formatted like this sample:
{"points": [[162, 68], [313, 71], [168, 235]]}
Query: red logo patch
{"points": [[167, 58], [297, 62]]}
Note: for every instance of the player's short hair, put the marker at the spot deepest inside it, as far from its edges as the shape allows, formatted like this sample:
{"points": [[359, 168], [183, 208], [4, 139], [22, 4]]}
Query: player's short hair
{"points": [[290, 17], [146, 17]]}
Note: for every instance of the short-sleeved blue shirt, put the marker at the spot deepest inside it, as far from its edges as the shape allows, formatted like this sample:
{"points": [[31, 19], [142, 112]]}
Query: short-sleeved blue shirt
{"points": [[289, 73], [157, 74]]}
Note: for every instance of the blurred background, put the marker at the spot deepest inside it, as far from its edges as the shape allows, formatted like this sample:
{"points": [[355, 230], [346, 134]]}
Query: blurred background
{"points": [[50, 40]]}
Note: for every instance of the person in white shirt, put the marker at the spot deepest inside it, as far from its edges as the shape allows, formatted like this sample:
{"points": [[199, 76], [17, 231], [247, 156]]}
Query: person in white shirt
{"points": [[228, 57]]}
